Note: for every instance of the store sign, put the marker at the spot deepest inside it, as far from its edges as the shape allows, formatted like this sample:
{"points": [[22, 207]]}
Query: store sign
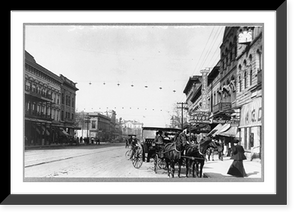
{"points": [[251, 113], [200, 117]]}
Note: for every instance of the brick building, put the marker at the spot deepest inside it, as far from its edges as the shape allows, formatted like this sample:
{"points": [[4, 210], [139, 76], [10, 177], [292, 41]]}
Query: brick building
{"points": [[249, 87], [43, 105]]}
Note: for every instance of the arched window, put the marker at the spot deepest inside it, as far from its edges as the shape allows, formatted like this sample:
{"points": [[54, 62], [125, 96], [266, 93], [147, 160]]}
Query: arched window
{"points": [[240, 84], [27, 85], [245, 79], [250, 77], [258, 60], [33, 88]]}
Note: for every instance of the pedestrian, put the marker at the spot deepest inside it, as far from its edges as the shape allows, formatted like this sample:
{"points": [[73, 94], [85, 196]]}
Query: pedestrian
{"points": [[220, 149], [237, 167], [80, 140]]}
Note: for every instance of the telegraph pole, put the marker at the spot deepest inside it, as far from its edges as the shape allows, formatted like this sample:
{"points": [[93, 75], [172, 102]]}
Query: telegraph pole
{"points": [[181, 107]]}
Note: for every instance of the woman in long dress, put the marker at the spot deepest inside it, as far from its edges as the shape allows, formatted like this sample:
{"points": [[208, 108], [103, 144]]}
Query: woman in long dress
{"points": [[237, 167]]}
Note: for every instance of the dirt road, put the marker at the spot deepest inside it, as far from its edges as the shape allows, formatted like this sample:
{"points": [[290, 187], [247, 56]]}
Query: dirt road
{"points": [[98, 161]]}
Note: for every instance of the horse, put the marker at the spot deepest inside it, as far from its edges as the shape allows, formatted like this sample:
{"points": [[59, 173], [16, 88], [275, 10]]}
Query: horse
{"points": [[195, 156], [173, 153]]}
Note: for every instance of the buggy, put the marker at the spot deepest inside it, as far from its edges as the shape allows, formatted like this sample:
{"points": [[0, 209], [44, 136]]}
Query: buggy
{"points": [[156, 152]]}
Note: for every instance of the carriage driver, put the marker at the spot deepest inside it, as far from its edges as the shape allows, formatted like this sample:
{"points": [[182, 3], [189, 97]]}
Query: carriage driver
{"points": [[159, 141], [157, 144]]}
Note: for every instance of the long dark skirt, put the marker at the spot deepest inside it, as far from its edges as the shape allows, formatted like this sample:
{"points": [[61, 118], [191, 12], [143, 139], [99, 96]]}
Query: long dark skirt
{"points": [[237, 169]]}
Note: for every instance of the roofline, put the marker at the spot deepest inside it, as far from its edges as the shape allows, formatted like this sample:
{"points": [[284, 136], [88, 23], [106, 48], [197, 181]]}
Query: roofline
{"points": [[189, 83]]}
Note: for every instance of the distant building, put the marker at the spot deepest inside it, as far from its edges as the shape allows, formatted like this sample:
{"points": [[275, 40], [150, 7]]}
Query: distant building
{"points": [[132, 127], [97, 125]]}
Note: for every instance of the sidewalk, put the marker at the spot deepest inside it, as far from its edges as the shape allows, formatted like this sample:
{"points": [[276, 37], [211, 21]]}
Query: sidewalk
{"points": [[218, 169]]}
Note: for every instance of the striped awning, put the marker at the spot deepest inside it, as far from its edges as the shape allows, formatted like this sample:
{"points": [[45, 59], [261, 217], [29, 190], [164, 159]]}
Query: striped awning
{"points": [[231, 132], [224, 128]]}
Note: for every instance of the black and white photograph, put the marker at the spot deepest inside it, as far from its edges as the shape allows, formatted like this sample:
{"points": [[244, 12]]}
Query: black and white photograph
{"points": [[148, 108], [143, 102]]}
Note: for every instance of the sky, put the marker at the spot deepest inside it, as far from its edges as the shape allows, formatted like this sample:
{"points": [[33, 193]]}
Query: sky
{"points": [[140, 71]]}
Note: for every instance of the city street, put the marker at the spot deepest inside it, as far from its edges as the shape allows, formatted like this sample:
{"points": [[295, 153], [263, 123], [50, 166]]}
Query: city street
{"points": [[108, 161], [87, 161]]}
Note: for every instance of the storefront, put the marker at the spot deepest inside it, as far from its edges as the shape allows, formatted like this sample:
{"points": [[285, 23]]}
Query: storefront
{"points": [[251, 127], [199, 125]]}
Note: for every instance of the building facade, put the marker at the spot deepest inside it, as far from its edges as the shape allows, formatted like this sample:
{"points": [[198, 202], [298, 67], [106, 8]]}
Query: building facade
{"points": [[234, 89], [100, 126], [43, 105], [249, 87], [132, 127], [68, 97], [225, 94]]}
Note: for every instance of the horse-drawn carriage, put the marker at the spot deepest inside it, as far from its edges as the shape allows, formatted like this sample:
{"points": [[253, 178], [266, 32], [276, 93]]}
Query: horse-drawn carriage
{"points": [[154, 150], [176, 149]]}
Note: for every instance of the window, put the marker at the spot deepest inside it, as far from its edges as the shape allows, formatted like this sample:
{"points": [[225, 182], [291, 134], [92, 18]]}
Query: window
{"points": [[62, 98], [27, 86], [245, 74], [245, 79], [33, 88], [250, 77], [62, 115], [93, 124], [259, 60]]}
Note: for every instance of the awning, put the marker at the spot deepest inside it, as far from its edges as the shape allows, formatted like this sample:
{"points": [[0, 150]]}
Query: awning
{"points": [[219, 126], [37, 129], [224, 128], [63, 132], [231, 132], [200, 128]]}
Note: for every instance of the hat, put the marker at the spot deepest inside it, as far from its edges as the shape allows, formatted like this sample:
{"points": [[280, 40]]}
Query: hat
{"points": [[236, 140]]}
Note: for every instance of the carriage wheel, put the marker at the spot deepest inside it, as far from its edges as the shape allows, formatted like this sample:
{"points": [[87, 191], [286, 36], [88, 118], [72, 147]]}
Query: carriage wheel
{"points": [[137, 159], [128, 154], [156, 160]]}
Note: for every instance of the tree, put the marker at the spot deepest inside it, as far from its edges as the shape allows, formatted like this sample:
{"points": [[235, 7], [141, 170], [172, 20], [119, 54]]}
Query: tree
{"points": [[79, 119], [175, 121]]}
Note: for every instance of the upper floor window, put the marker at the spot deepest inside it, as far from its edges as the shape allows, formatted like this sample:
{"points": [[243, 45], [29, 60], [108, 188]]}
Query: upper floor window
{"points": [[245, 79], [27, 86], [259, 60], [93, 124], [240, 84]]}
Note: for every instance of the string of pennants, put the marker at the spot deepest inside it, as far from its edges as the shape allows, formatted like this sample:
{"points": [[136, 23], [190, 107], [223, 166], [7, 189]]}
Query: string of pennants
{"points": [[146, 85], [131, 108]]}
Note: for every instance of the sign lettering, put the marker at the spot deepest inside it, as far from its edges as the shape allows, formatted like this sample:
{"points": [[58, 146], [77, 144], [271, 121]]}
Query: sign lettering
{"points": [[251, 113]]}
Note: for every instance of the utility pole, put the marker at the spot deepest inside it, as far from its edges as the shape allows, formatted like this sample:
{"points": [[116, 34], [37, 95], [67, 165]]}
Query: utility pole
{"points": [[181, 107]]}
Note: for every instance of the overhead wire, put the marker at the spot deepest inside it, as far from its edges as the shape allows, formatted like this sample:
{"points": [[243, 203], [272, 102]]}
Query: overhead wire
{"points": [[213, 46], [214, 40], [203, 50]]}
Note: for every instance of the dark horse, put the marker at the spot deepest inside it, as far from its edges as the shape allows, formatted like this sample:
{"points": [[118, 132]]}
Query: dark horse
{"points": [[195, 156], [173, 153]]}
